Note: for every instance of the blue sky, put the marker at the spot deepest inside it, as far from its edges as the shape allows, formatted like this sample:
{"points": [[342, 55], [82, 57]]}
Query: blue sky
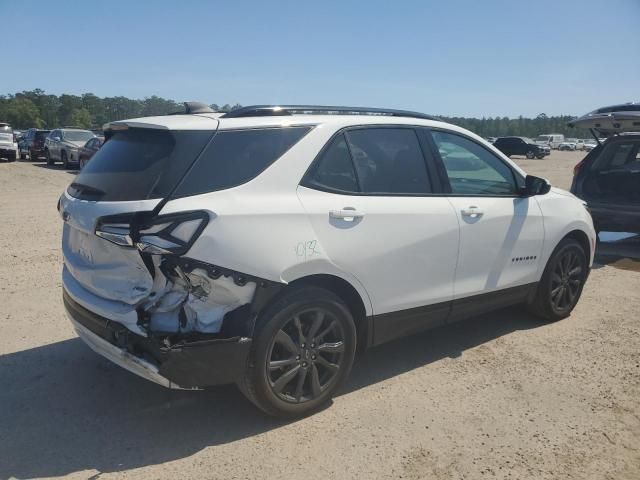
{"points": [[453, 57]]}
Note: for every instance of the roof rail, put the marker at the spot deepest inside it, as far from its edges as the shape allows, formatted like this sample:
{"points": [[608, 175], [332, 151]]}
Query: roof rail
{"points": [[279, 110]]}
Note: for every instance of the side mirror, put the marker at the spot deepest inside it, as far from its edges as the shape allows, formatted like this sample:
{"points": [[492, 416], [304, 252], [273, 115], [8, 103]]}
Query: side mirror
{"points": [[535, 186], [56, 139]]}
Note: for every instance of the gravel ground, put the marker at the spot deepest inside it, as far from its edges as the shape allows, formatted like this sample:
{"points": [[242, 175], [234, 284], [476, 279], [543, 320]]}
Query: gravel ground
{"points": [[497, 396]]}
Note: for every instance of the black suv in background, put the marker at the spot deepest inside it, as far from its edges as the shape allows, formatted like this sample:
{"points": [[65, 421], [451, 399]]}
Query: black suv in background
{"points": [[608, 178], [520, 146], [32, 143]]}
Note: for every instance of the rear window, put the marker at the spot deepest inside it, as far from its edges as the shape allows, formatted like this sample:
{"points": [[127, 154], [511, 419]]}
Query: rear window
{"points": [[42, 135], [138, 164], [236, 156], [616, 156]]}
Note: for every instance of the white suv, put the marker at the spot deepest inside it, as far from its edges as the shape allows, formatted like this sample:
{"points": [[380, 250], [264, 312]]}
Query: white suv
{"points": [[265, 246]]}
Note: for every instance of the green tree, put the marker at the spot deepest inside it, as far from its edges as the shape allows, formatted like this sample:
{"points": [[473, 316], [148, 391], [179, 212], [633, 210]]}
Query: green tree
{"points": [[22, 113], [155, 105], [80, 117]]}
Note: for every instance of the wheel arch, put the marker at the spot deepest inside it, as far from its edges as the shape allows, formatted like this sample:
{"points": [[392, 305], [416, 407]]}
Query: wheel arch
{"points": [[351, 297], [582, 238]]}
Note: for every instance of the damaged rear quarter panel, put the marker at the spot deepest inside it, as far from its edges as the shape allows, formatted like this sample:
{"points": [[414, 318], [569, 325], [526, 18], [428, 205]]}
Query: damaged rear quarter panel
{"points": [[261, 233]]}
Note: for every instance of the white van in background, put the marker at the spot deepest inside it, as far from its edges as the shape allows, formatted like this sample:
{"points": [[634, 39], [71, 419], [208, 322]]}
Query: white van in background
{"points": [[553, 140]]}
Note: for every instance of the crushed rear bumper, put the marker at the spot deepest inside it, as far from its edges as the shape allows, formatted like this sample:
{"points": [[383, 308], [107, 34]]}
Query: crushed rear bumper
{"points": [[190, 363]]}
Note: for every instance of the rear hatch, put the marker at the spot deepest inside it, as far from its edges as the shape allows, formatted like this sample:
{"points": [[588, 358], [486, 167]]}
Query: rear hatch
{"points": [[610, 173], [610, 120], [38, 139], [127, 182]]}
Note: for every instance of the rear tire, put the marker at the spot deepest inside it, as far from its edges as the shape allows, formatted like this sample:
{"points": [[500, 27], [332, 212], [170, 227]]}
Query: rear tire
{"points": [[82, 163], [302, 352], [562, 282]]}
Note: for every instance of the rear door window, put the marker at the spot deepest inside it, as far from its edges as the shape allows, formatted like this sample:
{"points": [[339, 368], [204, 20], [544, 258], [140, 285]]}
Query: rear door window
{"points": [[374, 161], [388, 161], [236, 156]]}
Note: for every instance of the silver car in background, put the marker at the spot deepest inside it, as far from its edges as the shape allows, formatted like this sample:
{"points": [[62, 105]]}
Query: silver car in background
{"points": [[64, 145]]}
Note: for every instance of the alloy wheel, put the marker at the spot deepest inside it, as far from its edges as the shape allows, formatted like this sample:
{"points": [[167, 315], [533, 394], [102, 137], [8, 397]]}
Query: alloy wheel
{"points": [[566, 280], [305, 356]]}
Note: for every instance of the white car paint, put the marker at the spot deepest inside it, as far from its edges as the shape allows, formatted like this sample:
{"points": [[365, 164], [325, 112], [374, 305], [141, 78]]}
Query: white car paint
{"points": [[397, 252], [552, 140], [8, 143]]}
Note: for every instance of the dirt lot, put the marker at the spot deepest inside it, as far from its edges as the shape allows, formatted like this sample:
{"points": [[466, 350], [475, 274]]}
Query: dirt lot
{"points": [[498, 396]]}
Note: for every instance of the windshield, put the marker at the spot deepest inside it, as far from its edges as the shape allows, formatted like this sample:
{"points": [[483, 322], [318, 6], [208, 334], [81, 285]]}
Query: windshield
{"points": [[527, 140], [6, 137], [78, 135]]}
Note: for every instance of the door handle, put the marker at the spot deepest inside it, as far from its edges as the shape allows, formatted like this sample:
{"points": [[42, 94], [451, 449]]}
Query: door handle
{"points": [[348, 214], [472, 211]]}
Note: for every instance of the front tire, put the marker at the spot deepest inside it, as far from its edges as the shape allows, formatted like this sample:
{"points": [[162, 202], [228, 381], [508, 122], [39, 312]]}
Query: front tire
{"points": [[562, 281], [540, 156], [530, 154], [47, 155], [302, 352]]}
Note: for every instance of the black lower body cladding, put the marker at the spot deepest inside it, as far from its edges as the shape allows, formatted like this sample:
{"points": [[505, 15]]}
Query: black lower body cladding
{"points": [[194, 361]]}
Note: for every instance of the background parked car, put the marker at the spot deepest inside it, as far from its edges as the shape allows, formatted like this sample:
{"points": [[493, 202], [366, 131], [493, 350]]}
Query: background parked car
{"points": [[8, 146], [32, 143], [589, 145], [89, 149], [64, 144], [568, 144], [609, 176], [552, 140], [520, 146]]}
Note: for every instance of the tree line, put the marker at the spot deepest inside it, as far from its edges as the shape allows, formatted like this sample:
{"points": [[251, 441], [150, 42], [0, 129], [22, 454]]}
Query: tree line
{"points": [[36, 108]]}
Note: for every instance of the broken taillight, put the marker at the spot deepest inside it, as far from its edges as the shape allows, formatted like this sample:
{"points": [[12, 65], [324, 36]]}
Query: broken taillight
{"points": [[164, 234]]}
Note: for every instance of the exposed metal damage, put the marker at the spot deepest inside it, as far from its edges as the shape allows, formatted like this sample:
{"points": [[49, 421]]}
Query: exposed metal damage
{"points": [[184, 295], [191, 301], [164, 316]]}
